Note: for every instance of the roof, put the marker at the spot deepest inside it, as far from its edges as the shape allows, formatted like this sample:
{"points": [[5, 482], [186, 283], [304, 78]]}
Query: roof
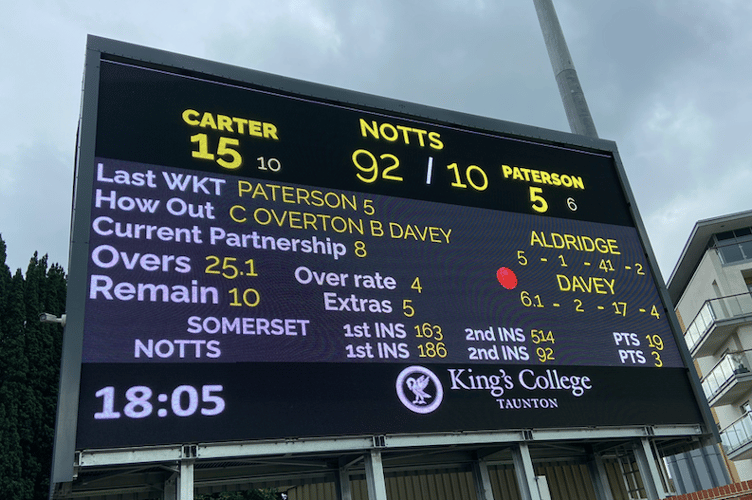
{"points": [[695, 248]]}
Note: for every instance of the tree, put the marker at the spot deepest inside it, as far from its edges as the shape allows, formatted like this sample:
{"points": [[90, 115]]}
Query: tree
{"points": [[29, 371]]}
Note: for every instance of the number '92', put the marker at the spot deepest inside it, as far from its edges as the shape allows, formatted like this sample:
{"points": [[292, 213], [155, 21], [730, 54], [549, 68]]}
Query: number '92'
{"points": [[183, 401]]}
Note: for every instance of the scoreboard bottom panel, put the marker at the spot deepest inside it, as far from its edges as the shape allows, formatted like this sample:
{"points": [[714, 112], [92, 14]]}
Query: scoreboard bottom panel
{"points": [[125, 405]]}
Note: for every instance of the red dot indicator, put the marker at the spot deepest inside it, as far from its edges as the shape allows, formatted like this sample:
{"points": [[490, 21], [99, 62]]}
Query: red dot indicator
{"points": [[507, 278]]}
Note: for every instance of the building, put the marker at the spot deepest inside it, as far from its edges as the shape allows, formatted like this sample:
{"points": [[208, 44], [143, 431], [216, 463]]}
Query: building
{"points": [[711, 289]]}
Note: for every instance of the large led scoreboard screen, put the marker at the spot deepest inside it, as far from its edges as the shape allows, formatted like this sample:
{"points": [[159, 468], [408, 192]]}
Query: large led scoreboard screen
{"points": [[269, 262]]}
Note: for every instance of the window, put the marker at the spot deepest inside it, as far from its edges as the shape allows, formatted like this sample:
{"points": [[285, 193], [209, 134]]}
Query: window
{"points": [[733, 246], [731, 254]]}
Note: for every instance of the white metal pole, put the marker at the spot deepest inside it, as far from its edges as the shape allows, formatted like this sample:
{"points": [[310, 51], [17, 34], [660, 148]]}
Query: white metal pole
{"points": [[185, 481], [525, 472], [375, 476], [482, 478], [578, 113]]}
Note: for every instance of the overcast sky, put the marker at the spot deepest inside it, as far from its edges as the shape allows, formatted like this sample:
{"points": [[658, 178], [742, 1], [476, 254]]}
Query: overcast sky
{"points": [[670, 81]]}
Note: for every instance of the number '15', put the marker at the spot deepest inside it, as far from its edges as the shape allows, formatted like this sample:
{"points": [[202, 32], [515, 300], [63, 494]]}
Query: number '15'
{"points": [[229, 158]]}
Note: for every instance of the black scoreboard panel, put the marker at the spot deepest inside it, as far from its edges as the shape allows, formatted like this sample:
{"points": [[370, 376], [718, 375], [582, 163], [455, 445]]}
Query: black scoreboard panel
{"points": [[263, 264]]}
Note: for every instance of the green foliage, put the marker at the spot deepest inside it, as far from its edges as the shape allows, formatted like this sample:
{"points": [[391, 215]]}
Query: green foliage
{"points": [[29, 371]]}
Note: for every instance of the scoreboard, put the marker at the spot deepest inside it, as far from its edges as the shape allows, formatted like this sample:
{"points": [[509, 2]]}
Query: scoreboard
{"points": [[270, 261]]}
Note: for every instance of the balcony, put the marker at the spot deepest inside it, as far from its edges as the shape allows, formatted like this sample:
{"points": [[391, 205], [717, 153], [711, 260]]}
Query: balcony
{"points": [[729, 379], [717, 319], [737, 438]]}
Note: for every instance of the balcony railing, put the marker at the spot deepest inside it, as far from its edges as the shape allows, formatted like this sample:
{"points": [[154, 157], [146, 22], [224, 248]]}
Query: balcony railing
{"points": [[715, 310], [737, 434], [725, 370]]}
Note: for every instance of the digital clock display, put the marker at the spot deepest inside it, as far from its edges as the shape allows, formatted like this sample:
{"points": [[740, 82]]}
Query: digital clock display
{"points": [[264, 264]]}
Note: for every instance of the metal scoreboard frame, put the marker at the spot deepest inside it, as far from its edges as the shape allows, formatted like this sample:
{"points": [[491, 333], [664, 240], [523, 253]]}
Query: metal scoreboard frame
{"points": [[249, 251]]}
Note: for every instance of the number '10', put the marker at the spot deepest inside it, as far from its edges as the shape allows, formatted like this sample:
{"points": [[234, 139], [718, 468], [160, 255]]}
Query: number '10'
{"points": [[474, 175]]}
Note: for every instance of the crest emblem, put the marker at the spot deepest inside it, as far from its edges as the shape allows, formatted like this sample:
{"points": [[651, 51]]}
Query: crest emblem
{"points": [[419, 389]]}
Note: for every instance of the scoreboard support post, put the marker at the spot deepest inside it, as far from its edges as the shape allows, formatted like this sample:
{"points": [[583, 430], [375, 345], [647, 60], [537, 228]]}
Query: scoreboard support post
{"points": [[342, 482], [599, 478], [170, 488], [375, 476], [525, 473], [482, 480], [651, 478], [185, 491]]}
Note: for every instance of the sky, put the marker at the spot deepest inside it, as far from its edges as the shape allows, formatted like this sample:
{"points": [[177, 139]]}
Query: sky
{"points": [[670, 81]]}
